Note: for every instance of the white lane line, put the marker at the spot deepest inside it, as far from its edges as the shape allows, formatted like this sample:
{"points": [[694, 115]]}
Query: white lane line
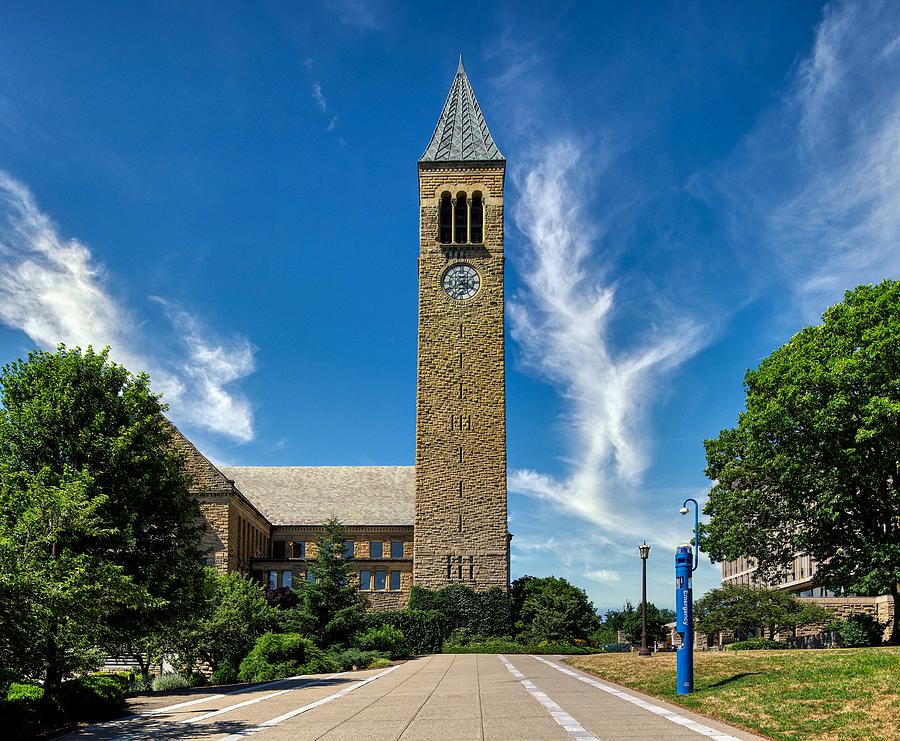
{"points": [[657, 709], [208, 698], [296, 711], [571, 726], [245, 703]]}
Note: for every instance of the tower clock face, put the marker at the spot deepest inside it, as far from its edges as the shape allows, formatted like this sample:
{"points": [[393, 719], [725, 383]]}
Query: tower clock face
{"points": [[461, 282]]}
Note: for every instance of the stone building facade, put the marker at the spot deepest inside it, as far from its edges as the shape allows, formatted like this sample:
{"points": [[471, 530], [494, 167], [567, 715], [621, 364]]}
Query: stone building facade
{"points": [[444, 520]]}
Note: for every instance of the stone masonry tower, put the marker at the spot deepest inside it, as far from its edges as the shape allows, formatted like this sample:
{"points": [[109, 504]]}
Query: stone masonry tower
{"points": [[460, 531]]}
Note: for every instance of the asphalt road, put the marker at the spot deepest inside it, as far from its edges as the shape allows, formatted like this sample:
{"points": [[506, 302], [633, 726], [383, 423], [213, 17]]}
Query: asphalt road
{"points": [[466, 697]]}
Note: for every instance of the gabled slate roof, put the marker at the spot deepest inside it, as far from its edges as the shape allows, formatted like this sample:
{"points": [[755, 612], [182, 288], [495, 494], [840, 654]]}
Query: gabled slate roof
{"points": [[461, 134], [310, 495]]}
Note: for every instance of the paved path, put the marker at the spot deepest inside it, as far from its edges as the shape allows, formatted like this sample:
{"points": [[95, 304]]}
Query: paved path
{"points": [[444, 697]]}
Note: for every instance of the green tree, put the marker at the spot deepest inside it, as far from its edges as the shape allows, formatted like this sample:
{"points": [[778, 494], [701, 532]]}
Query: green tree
{"points": [[812, 465], [97, 529], [552, 609], [656, 624], [231, 615], [743, 609], [334, 600]]}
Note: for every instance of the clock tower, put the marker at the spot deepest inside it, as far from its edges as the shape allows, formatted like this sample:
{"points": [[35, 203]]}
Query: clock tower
{"points": [[460, 531]]}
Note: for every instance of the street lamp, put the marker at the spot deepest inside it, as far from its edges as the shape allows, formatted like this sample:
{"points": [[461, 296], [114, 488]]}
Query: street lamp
{"points": [[645, 553]]}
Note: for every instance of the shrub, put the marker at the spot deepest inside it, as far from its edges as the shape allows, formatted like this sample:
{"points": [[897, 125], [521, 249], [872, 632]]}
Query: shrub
{"points": [[168, 682], [379, 662], [859, 630], [385, 638], [24, 692], [225, 673], [756, 644], [347, 659], [423, 630], [141, 683], [278, 655], [25, 711], [93, 697]]}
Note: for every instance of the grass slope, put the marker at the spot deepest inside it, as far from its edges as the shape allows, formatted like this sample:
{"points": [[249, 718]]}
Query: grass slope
{"points": [[823, 695]]}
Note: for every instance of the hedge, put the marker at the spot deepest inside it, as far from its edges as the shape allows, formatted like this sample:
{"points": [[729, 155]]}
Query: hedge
{"points": [[424, 631], [487, 613]]}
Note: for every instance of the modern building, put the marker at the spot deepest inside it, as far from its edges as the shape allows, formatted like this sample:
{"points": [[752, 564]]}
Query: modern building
{"points": [[801, 581], [443, 520]]}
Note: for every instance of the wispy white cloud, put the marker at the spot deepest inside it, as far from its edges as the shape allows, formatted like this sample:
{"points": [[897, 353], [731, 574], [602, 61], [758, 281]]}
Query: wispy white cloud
{"points": [[53, 290], [816, 184], [603, 576], [561, 321], [318, 97]]}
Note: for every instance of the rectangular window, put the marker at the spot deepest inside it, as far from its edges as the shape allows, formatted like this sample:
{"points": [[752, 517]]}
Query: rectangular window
{"points": [[348, 549], [299, 549], [395, 581], [365, 581], [273, 579], [376, 549], [277, 549], [287, 579], [310, 577], [380, 578], [396, 549]]}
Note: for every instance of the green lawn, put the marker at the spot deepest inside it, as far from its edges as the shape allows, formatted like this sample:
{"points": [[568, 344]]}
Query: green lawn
{"points": [[801, 694]]}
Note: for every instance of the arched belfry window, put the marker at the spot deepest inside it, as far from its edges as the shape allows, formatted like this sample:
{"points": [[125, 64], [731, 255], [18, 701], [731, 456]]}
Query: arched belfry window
{"points": [[446, 219], [461, 226], [476, 228]]}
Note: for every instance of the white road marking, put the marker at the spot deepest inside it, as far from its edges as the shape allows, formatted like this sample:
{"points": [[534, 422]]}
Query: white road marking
{"points": [[657, 709], [245, 703], [177, 706], [571, 726], [296, 711]]}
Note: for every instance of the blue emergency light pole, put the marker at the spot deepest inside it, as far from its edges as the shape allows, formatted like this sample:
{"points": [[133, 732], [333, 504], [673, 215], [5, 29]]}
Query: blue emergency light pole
{"points": [[685, 566]]}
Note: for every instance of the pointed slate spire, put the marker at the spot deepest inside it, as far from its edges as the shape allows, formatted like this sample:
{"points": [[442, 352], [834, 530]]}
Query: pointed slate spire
{"points": [[461, 134]]}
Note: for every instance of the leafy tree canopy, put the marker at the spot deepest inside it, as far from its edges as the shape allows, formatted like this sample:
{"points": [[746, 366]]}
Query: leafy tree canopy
{"points": [[97, 530], [813, 464], [550, 609], [742, 609]]}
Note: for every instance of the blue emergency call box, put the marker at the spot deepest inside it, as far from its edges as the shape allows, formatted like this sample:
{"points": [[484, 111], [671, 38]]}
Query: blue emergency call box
{"points": [[684, 619]]}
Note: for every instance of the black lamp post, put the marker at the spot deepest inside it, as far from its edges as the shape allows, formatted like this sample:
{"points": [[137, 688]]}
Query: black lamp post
{"points": [[645, 553]]}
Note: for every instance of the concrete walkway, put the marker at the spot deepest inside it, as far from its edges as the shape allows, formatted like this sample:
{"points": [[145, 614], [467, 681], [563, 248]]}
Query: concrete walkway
{"points": [[464, 697]]}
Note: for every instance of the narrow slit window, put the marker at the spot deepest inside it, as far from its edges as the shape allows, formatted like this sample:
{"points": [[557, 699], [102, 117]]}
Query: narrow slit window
{"points": [[448, 568], [461, 219], [477, 218], [446, 219]]}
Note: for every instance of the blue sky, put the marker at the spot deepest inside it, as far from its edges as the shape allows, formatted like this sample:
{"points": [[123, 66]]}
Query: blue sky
{"points": [[226, 194]]}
